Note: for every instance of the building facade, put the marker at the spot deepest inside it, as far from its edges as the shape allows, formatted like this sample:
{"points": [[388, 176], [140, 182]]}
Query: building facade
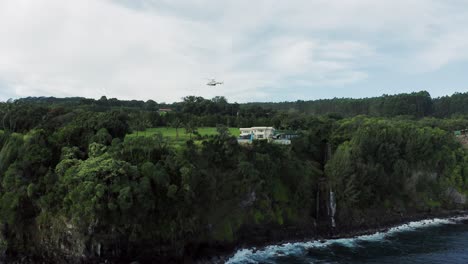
{"points": [[257, 133]]}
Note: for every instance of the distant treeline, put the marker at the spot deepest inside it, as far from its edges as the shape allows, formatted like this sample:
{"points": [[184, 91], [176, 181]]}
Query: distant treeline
{"points": [[24, 114], [418, 104]]}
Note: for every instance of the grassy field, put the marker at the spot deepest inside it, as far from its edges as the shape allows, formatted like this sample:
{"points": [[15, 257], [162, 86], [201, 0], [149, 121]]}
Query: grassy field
{"points": [[170, 132]]}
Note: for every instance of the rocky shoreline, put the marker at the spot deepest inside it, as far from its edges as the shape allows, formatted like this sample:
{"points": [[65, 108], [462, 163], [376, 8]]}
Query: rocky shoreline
{"points": [[260, 237], [391, 221]]}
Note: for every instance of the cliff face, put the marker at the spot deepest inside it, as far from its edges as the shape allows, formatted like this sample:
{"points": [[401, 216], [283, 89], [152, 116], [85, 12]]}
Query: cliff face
{"points": [[53, 242], [61, 242], [55, 239], [58, 240]]}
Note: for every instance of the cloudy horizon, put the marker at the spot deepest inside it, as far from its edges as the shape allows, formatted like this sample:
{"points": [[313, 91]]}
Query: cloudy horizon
{"points": [[263, 51]]}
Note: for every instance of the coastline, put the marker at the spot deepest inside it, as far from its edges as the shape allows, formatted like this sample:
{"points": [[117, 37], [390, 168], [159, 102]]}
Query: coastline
{"points": [[344, 232], [218, 253]]}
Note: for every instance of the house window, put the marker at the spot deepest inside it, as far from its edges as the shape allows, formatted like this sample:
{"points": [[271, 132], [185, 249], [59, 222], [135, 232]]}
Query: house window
{"points": [[260, 136]]}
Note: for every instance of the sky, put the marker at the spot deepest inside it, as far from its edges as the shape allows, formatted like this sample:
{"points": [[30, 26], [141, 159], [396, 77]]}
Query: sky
{"points": [[263, 50]]}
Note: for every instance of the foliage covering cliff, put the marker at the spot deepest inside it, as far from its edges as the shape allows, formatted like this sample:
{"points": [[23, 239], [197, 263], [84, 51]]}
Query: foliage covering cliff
{"points": [[73, 186]]}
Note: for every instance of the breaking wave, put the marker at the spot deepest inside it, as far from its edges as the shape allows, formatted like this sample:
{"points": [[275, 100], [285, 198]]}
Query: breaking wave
{"points": [[268, 253]]}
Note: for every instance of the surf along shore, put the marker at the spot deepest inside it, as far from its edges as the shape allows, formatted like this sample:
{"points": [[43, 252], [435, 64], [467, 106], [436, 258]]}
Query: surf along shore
{"points": [[254, 240]]}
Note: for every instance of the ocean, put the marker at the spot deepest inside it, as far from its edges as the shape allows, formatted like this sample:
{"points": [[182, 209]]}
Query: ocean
{"points": [[427, 241]]}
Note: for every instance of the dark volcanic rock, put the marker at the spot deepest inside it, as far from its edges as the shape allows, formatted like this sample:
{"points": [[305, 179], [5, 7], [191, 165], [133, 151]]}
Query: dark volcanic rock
{"points": [[62, 243]]}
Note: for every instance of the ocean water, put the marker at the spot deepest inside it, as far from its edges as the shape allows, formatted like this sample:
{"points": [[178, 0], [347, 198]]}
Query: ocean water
{"points": [[428, 241]]}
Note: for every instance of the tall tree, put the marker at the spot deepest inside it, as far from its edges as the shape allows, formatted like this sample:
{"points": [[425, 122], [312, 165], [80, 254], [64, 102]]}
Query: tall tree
{"points": [[177, 123]]}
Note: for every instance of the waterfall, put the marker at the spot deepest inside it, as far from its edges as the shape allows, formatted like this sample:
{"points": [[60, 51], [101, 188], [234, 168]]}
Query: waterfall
{"points": [[332, 208]]}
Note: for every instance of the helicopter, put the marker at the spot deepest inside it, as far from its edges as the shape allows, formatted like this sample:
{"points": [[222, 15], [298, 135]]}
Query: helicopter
{"points": [[213, 82]]}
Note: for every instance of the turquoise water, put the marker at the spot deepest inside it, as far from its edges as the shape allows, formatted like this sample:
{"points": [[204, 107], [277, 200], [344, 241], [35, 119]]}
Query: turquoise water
{"points": [[428, 241]]}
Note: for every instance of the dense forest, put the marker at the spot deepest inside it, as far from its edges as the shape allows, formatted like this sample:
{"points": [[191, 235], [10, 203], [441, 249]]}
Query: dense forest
{"points": [[74, 186], [417, 104]]}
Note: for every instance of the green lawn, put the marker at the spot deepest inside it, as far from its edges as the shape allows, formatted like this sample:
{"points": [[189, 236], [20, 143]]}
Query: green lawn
{"points": [[170, 132]]}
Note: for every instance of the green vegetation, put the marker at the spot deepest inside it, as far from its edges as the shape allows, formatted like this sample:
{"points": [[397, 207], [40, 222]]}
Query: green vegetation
{"points": [[399, 164], [79, 167], [178, 137], [418, 104], [183, 136]]}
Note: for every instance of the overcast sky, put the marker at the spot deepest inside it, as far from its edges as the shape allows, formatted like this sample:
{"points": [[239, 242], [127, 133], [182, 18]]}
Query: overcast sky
{"points": [[262, 50]]}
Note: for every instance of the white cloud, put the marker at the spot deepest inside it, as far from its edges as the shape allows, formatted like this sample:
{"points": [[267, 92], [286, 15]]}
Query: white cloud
{"points": [[443, 50], [164, 50]]}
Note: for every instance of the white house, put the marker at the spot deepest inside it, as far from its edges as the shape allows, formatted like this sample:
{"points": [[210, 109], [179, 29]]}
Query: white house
{"points": [[257, 133]]}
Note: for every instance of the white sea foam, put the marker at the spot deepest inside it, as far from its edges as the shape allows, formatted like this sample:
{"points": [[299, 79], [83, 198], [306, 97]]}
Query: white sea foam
{"points": [[253, 255], [378, 236]]}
